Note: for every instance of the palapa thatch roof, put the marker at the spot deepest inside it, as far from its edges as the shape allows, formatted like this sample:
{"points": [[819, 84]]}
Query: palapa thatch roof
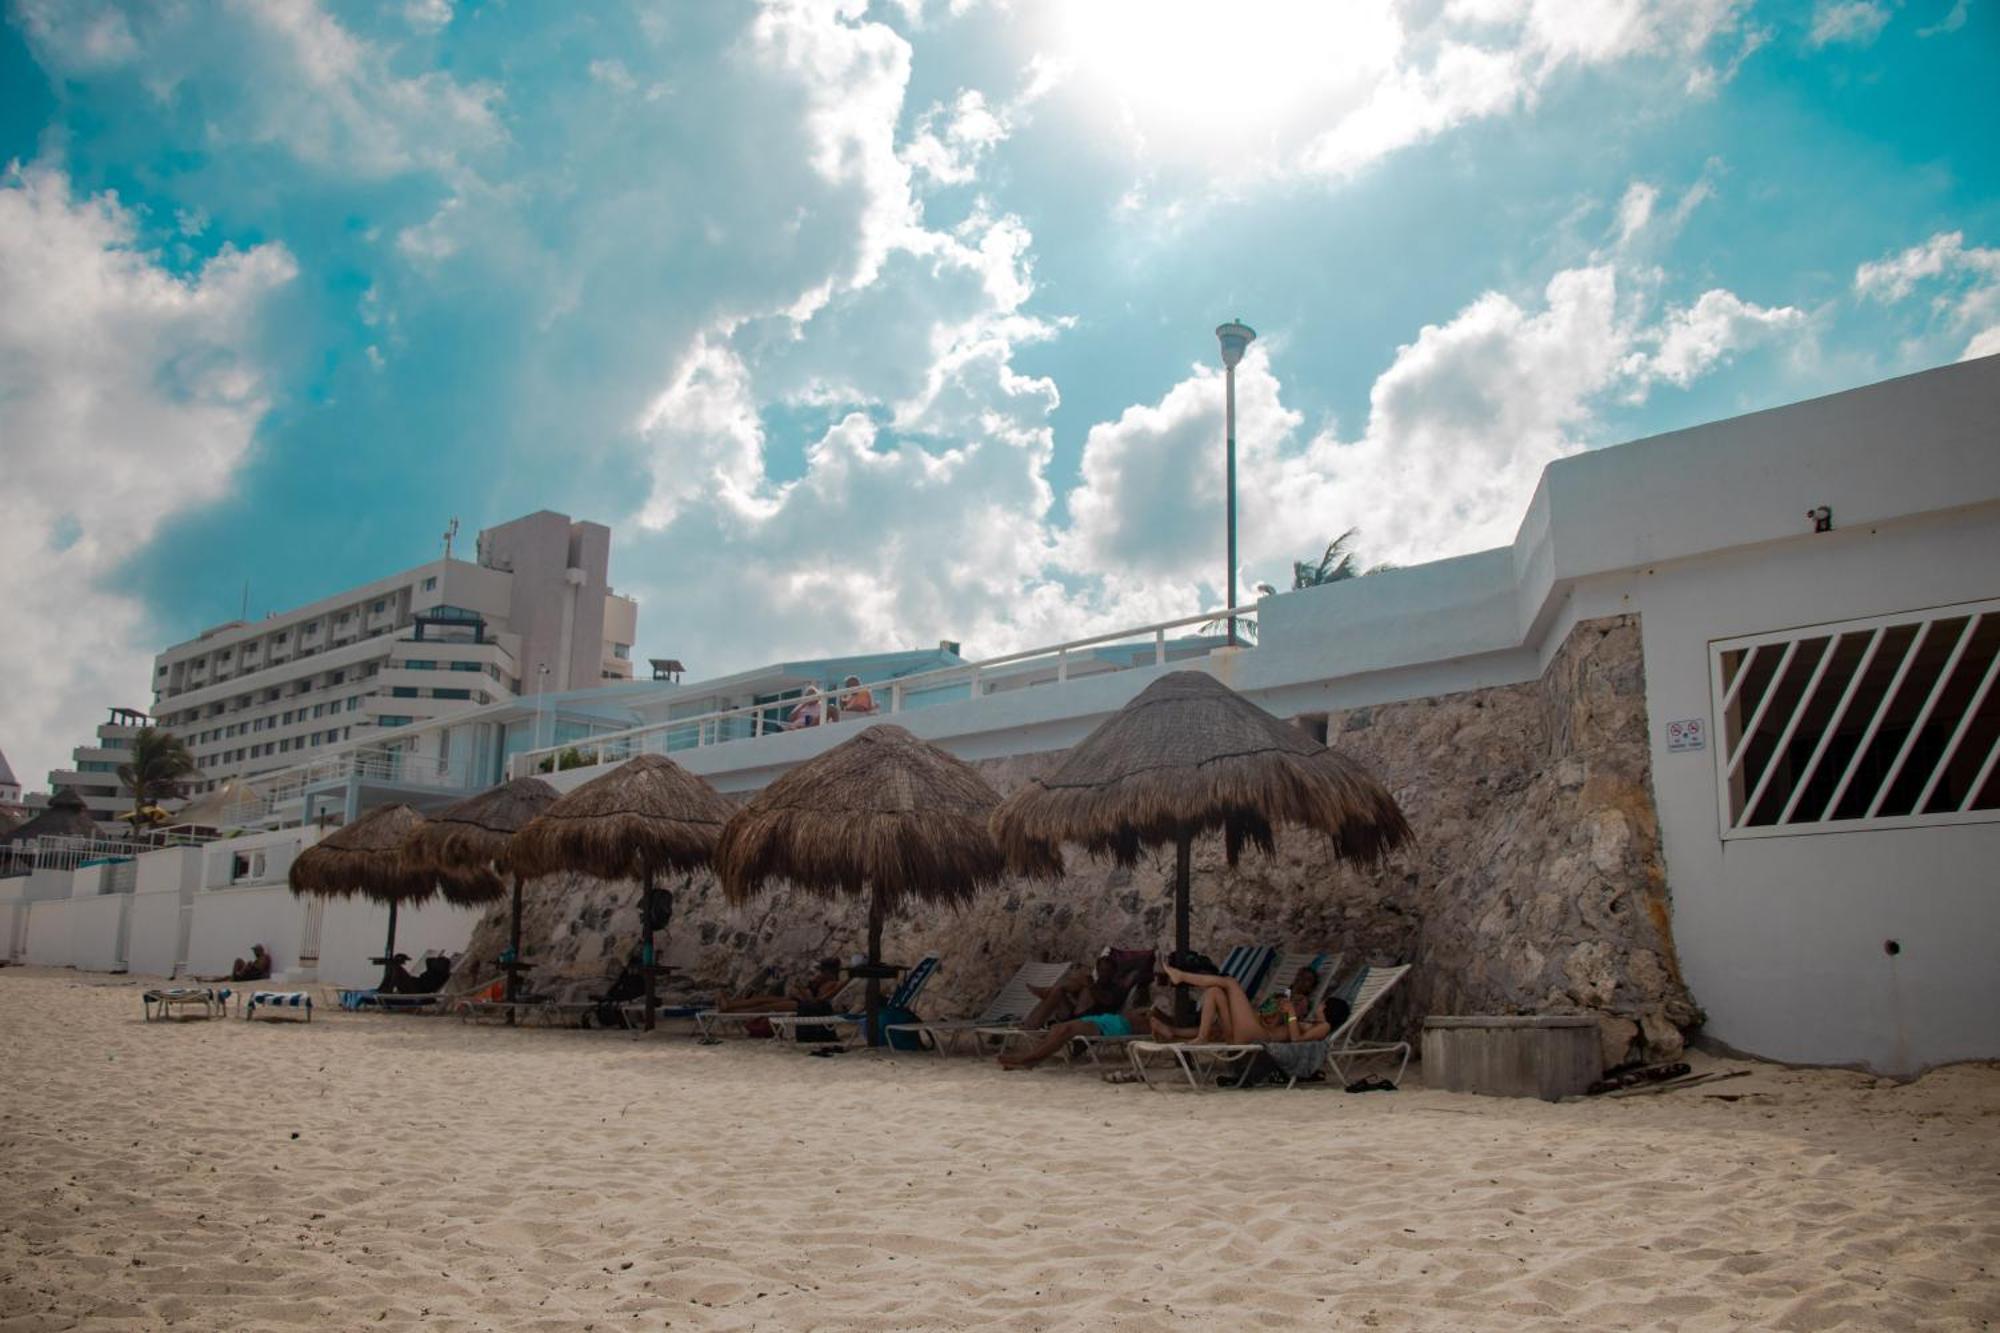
{"points": [[66, 817], [883, 810], [366, 857], [467, 845], [1190, 755], [648, 813]]}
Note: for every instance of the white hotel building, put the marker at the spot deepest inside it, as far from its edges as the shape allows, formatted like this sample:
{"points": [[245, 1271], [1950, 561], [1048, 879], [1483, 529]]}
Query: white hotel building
{"points": [[1815, 681], [533, 613]]}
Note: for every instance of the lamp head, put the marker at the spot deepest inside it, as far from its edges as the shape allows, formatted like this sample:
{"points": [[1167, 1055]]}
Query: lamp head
{"points": [[1234, 336]]}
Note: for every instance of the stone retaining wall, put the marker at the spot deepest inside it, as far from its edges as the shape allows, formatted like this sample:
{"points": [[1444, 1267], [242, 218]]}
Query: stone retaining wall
{"points": [[1535, 886]]}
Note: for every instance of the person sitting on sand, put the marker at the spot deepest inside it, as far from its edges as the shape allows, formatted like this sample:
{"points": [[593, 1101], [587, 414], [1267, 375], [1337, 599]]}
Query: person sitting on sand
{"points": [[1228, 1016], [257, 967], [820, 987]]}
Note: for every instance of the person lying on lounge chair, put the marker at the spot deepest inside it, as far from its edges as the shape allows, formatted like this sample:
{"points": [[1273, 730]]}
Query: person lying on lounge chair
{"points": [[821, 986], [1093, 990], [1227, 1016], [1062, 1034], [437, 971]]}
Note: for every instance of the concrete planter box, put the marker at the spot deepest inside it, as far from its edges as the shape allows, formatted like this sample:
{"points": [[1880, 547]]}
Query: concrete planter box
{"points": [[1550, 1056]]}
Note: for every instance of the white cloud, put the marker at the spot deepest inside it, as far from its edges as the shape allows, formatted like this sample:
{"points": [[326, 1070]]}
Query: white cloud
{"points": [[1953, 20], [1965, 279], [1852, 22], [135, 393], [1460, 426], [1635, 210], [278, 72]]}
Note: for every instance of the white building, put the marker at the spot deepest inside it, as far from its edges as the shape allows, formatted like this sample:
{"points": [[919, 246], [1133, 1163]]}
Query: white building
{"points": [[533, 613], [93, 769], [10, 786], [1822, 701]]}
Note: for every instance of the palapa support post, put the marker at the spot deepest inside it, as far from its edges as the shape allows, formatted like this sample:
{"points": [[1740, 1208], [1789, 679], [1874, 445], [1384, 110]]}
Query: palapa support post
{"points": [[389, 947], [514, 953], [646, 938], [874, 1003], [1184, 1015]]}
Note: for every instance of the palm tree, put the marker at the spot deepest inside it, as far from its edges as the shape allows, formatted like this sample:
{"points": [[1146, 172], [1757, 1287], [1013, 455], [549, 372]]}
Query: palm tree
{"points": [[1339, 562], [160, 761]]}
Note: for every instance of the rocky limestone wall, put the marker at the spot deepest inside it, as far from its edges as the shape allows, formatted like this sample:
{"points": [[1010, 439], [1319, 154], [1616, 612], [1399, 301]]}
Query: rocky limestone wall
{"points": [[1535, 886]]}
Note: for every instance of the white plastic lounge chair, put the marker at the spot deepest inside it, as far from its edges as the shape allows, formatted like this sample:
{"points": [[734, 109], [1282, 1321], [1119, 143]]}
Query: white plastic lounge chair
{"points": [[1009, 1007], [708, 1020], [163, 1001], [275, 1002], [1246, 962], [1327, 965], [1203, 1062], [1368, 988], [905, 996]]}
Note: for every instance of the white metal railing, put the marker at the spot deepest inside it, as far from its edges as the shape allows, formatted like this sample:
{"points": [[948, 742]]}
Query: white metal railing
{"points": [[59, 851], [1883, 723], [1058, 664], [260, 796]]}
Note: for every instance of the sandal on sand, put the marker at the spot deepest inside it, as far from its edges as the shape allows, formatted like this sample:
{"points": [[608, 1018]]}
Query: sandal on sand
{"points": [[1121, 1076], [1371, 1085]]}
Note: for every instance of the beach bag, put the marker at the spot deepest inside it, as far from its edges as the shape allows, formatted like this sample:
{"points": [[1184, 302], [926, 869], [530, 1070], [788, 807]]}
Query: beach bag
{"points": [[815, 1009]]}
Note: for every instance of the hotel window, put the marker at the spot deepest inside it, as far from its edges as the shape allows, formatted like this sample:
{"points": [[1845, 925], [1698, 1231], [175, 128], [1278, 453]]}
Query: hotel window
{"points": [[337, 678], [1882, 723], [353, 703], [430, 584], [465, 666], [621, 651], [403, 692], [451, 694], [392, 720], [377, 608]]}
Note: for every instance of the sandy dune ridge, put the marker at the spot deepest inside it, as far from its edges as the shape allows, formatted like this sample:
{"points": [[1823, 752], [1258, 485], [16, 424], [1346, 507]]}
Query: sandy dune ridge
{"points": [[398, 1172]]}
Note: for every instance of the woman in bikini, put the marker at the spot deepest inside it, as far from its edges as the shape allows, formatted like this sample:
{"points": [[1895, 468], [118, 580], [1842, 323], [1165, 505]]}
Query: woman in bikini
{"points": [[1228, 1016]]}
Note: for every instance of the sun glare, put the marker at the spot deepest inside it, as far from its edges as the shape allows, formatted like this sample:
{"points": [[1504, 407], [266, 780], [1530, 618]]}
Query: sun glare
{"points": [[1190, 75]]}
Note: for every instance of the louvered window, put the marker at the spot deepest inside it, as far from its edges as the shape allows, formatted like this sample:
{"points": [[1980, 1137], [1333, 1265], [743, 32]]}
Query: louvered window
{"points": [[1882, 723]]}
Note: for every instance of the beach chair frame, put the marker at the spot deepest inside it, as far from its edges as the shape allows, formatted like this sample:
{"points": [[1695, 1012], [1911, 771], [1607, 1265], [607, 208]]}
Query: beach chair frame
{"points": [[1199, 1061], [161, 1002], [1011, 1004], [907, 993]]}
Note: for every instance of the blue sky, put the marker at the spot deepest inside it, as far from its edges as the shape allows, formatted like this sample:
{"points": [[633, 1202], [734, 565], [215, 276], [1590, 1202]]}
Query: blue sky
{"points": [[870, 325]]}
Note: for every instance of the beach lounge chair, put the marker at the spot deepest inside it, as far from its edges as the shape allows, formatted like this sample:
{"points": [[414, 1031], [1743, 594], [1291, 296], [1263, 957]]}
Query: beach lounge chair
{"points": [[1009, 1007], [904, 997], [707, 1021], [1327, 965], [1203, 1063], [274, 1002], [1248, 963], [389, 1002], [165, 1001]]}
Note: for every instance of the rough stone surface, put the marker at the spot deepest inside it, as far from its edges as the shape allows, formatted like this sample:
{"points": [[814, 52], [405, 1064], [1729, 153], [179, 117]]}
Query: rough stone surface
{"points": [[1535, 885]]}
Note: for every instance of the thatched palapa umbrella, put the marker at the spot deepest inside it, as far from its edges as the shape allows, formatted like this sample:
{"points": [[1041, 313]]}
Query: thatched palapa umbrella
{"points": [[469, 846], [884, 814], [366, 857], [645, 816], [65, 817], [1187, 756]]}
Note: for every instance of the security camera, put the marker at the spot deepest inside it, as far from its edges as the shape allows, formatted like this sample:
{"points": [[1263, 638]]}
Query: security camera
{"points": [[1821, 518]]}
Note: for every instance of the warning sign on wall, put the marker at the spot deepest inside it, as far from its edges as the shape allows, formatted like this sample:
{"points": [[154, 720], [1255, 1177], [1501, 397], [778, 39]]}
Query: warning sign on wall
{"points": [[1689, 733]]}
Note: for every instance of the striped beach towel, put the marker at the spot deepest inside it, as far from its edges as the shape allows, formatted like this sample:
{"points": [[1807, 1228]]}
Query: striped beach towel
{"points": [[279, 999]]}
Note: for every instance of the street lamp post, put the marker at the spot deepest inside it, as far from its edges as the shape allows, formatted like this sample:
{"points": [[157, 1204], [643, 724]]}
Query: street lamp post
{"points": [[1234, 336]]}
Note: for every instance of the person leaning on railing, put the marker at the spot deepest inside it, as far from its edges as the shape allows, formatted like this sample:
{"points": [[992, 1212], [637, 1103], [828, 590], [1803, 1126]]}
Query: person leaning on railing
{"points": [[859, 702]]}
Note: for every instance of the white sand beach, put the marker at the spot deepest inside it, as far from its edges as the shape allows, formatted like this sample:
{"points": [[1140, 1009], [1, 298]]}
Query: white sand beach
{"points": [[400, 1172]]}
